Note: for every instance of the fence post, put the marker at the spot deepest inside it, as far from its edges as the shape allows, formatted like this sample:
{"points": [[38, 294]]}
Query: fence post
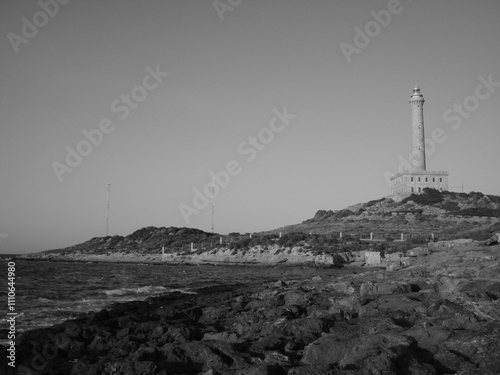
{"points": [[340, 235], [402, 237], [371, 235], [192, 247]]}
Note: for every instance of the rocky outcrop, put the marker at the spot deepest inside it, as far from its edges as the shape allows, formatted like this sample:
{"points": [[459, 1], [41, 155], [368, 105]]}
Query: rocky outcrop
{"points": [[258, 255], [439, 316]]}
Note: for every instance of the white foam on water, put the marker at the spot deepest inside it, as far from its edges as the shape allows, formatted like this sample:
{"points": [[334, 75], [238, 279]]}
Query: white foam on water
{"points": [[144, 290]]}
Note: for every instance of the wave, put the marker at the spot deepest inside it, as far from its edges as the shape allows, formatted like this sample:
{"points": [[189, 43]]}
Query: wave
{"points": [[144, 290], [44, 300]]}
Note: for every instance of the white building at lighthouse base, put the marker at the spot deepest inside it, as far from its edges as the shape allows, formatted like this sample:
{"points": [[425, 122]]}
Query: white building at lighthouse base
{"points": [[415, 181]]}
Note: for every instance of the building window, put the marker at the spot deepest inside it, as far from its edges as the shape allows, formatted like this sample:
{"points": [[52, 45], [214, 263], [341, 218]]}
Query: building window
{"points": [[412, 179], [440, 179], [412, 188], [419, 189], [433, 179], [426, 179], [419, 179]]}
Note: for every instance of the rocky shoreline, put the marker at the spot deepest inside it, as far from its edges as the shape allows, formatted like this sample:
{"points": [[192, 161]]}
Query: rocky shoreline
{"points": [[441, 315], [272, 256]]}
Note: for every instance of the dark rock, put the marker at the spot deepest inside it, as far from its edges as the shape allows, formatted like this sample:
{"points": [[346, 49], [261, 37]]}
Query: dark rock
{"points": [[264, 369], [345, 307], [272, 342], [72, 329], [176, 334], [277, 358], [493, 240], [279, 284], [121, 367], [428, 338], [145, 368], [305, 330], [258, 304], [212, 314], [82, 368], [481, 289], [384, 288], [447, 361], [194, 356], [239, 303], [327, 350], [295, 297], [491, 271], [223, 336], [145, 353], [122, 333], [77, 349]]}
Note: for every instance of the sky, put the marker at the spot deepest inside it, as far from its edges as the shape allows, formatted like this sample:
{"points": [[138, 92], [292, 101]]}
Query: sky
{"points": [[293, 105]]}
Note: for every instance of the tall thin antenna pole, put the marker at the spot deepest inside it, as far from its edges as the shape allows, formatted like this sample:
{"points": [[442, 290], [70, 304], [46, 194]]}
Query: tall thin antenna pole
{"points": [[107, 211], [213, 203]]}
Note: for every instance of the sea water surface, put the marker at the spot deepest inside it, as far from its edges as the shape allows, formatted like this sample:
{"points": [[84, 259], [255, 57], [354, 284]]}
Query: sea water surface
{"points": [[48, 293]]}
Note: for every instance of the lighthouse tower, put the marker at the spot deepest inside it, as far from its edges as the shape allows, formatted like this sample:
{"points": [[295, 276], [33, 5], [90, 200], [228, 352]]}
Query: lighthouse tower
{"points": [[418, 177], [417, 130]]}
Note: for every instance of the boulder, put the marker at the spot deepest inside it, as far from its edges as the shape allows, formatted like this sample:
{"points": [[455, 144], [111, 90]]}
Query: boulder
{"points": [[304, 330], [493, 240], [194, 357], [346, 307], [341, 287], [428, 338], [449, 286], [417, 252], [481, 289], [327, 350], [491, 271], [375, 354], [295, 297]]}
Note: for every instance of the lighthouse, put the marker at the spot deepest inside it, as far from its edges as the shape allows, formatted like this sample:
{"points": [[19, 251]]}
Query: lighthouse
{"points": [[418, 177], [417, 130]]}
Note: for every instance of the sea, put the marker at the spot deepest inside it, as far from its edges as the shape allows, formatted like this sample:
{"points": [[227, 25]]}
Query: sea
{"points": [[47, 293]]}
